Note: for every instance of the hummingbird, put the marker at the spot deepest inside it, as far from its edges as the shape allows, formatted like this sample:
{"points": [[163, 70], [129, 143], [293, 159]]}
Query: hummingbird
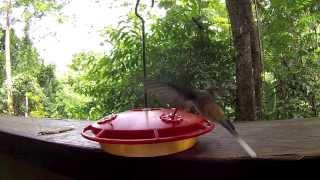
{"points": [[196, 101]]}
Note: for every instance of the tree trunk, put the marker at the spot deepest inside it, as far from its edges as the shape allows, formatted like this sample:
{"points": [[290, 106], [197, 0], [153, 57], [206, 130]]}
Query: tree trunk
{"points": [[240, 14], [256, 51], [8, 60]]}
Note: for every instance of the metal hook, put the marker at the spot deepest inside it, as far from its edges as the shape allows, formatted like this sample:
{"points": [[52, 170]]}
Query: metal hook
{"points": [[143, 48], [136, 9]]}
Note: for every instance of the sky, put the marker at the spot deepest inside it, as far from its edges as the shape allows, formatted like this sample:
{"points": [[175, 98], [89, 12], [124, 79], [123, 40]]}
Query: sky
{"points": [[80, 32], [85, 19]]}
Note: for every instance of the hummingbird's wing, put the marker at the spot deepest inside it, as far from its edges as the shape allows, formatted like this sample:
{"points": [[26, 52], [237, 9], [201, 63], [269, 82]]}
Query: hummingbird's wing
{"points": [[201, 101], [169, 94]]}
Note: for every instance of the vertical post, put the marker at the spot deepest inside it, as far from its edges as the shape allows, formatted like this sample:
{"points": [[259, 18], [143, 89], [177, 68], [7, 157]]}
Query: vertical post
{"points": [[8, 60]]}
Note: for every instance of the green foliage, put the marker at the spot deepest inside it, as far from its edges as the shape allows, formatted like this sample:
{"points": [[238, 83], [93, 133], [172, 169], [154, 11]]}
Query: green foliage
{"points": [[108, 83], [24, 57], [50, 87], [291, 33], [189, 46], [26, 85], [3, 100], [31, 78], [38, 8], [68, 104]]}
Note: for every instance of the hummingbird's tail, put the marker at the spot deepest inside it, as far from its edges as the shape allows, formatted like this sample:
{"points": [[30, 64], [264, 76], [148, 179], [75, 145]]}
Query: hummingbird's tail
{"points": [[246, 147], [231, 128]]}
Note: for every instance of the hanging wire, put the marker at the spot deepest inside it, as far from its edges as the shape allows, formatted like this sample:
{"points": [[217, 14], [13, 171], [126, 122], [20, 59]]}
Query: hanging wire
{"points": [[143, 48]]}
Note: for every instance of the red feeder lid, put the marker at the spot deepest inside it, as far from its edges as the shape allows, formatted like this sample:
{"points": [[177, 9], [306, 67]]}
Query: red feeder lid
{"points": [[145, 126]]}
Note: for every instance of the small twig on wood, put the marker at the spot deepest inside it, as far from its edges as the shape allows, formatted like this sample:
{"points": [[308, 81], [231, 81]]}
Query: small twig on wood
{"points": [[55, 131]]}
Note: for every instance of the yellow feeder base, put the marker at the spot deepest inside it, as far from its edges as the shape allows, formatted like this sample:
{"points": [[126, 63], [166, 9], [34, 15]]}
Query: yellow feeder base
{"points": [[148, 150]]}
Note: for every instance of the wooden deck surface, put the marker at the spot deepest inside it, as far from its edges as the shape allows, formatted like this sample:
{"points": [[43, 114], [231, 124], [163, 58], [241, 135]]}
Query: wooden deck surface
{"points": [[282, 140], [285, 139]]}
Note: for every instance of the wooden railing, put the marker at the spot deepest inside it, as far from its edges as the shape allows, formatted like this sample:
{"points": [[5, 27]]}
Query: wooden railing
{"points": [[286, 147]]}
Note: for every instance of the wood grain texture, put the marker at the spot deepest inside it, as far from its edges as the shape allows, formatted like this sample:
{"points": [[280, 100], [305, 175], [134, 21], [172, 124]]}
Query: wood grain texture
{"points": [[270, 139], [292, 144]]}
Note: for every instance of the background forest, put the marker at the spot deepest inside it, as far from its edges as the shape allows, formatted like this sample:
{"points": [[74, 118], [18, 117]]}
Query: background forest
{"points": [[190, 45]]}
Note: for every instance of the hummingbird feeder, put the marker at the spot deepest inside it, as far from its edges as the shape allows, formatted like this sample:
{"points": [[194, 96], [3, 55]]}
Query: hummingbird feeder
{"points": [[147, 132]]}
